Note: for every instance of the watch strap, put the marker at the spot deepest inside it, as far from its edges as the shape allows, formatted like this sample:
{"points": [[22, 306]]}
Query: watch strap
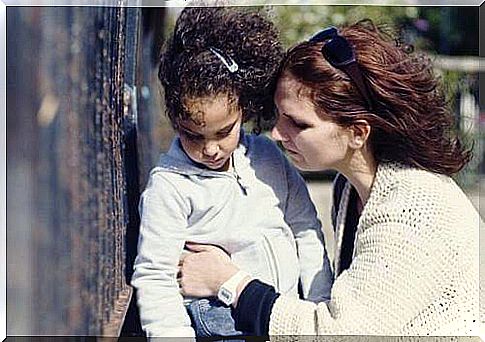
{"points": [[227, 291]]}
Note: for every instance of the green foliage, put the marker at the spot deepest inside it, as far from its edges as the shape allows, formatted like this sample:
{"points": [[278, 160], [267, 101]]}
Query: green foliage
{"points": [[297, 23], [444, 30]]}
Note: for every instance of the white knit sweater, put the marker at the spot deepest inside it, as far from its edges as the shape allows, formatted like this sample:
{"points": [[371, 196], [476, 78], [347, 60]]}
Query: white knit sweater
{"points": [[415, 268]]}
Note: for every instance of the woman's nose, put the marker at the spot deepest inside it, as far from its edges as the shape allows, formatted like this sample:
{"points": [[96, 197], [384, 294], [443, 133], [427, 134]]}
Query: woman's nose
{"points": [[210, 148], [276, 133]]}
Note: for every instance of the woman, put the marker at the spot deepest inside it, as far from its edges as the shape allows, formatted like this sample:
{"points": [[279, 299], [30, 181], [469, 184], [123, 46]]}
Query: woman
{"points": [[406, 260]]}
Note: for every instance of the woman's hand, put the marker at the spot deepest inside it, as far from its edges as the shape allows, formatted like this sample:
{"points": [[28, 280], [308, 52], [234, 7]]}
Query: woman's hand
{"points": [[203, 272]]}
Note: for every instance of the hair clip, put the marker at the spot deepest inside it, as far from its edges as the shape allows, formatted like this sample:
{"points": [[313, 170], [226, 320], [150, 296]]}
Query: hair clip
{"points": [[231, 66]]}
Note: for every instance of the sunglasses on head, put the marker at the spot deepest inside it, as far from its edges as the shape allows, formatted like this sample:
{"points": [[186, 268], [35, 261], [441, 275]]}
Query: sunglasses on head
{"points": [[339, 53]]}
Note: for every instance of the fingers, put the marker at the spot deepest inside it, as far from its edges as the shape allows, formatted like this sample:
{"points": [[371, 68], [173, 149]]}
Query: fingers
{"points": [[181, 287], [214, 249], [180, 284], [180, 280], [185, 253], [197, 247]]}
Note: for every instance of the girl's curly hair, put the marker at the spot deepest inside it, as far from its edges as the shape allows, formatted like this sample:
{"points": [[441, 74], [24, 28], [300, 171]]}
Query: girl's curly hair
{"points": [[411, 122], [189, 69]]}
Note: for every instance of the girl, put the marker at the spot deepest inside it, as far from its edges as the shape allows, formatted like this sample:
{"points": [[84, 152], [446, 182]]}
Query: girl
{"points": [[217, 185]]}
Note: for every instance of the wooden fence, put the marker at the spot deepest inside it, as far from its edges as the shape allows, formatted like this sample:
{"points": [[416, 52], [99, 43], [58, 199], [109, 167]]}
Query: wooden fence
{"points": [[73, 164]]}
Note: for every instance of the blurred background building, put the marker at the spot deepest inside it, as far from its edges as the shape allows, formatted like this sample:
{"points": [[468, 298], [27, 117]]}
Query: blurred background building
{"points": [[85, 123]]}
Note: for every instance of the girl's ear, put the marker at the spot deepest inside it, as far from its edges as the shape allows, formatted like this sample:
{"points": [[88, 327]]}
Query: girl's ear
{"points": [[359, 133]]}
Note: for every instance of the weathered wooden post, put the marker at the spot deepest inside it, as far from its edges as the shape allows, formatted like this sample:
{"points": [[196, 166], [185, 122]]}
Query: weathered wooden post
{"points": [[73, 167]]}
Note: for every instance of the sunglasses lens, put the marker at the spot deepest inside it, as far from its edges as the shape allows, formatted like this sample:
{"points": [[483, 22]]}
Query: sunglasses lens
{"points": [[324, 34], [338, 51], [340, 54]]}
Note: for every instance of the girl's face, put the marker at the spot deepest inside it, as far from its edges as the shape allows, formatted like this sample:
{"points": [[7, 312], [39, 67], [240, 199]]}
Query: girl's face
{"points": [[211, 134], [312, 143]]}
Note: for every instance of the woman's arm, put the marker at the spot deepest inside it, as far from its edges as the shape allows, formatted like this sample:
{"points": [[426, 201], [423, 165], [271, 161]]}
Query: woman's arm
{"points": [[394, 286], [389, 284], [203, 273], [253, 315]]}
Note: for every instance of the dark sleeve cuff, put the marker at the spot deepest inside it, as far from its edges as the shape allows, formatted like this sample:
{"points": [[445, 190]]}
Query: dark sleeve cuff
{"points": [[254, 308]]}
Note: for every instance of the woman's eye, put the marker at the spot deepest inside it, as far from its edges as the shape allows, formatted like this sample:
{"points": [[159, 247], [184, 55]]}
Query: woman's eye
{"points": [[297, 124], [300, 125]]}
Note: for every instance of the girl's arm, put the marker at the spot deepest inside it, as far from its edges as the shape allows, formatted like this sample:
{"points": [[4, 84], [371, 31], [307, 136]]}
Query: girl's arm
{"points": [[316, 275], [162, 236]]}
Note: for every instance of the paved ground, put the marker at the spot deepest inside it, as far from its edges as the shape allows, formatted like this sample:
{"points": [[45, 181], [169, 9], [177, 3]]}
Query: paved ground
{"points": [[321, 194], [320, 191]]}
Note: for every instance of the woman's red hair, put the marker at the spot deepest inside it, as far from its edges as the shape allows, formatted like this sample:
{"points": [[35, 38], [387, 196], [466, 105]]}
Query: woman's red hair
{"points": [[411, 122]]}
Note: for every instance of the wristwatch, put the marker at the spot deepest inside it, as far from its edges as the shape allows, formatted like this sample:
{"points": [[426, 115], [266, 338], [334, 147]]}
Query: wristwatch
{"points": [[227, 292]]}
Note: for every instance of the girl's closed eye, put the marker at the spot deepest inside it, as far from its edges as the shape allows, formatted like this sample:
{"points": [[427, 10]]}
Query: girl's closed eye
{"points": [[224, 133], [191, 136], [227, 131]]}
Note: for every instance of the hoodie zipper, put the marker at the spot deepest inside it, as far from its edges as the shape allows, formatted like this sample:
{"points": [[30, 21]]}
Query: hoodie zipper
{"points": [[237, 177], [238, 180]]}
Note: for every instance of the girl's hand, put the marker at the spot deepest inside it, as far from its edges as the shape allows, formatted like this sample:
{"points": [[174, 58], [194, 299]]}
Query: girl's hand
{"points": [[204, 271]]}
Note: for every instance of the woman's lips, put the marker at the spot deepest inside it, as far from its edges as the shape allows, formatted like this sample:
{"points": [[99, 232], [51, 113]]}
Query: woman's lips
{"points": [[289, 150]]}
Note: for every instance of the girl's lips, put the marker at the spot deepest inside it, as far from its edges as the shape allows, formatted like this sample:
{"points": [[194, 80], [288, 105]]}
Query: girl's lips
{"points": [[214, 162]]}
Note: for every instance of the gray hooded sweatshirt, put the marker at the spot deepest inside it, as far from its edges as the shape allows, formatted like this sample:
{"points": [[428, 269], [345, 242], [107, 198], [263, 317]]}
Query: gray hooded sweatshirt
{"points": [[260, 212]]}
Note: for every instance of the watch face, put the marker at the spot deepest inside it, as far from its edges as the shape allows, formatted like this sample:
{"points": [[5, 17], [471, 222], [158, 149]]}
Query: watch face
{"points": [[225, 296]]}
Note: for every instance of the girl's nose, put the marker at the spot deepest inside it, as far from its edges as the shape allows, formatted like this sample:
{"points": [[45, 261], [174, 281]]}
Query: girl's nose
{"points": [[210, 149]]}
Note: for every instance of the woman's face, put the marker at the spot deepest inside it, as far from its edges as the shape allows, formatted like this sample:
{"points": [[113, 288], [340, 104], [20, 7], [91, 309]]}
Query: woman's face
{"points": [[211, 134], [313, 144]]}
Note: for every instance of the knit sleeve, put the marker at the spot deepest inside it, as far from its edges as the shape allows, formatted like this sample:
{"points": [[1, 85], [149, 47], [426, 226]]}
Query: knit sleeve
{"points": [[414, 269], [395, 285], [250, 315]]}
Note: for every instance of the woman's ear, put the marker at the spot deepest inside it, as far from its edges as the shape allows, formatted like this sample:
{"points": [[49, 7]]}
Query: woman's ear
{"points": [[359, 133]]}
